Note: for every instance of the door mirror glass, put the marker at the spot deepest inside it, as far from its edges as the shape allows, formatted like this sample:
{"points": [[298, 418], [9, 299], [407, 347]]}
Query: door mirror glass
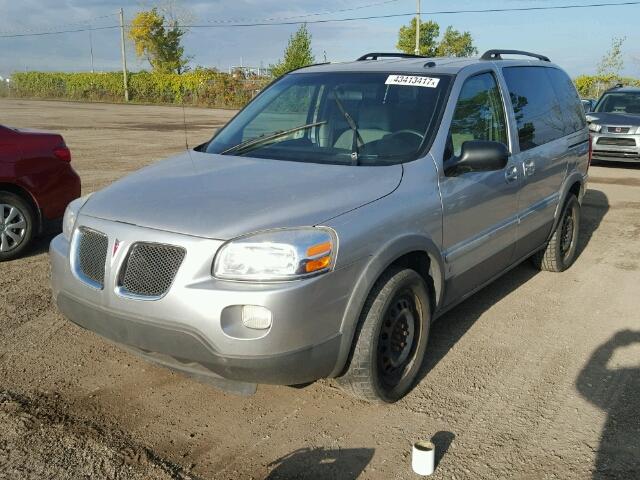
{"points": [[478, 156]]}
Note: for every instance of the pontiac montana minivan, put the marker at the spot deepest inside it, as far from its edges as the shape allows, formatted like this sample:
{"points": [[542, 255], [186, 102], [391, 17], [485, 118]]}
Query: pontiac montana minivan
{"points": [[328, 224]]}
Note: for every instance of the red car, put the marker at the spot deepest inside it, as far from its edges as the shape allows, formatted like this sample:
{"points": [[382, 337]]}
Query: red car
{"points": [[37, 183]]}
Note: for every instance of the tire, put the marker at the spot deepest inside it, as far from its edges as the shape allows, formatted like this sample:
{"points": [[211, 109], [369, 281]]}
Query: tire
{"points": [[382, 368], [17, 226], [562, 250]]}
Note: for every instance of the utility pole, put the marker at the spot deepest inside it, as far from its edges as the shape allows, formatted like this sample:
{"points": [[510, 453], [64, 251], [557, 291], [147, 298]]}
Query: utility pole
{"points": [[91, 46], [124, 57], [417, 51]]}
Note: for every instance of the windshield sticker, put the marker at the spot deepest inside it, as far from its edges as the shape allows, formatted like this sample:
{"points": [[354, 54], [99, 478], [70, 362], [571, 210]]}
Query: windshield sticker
{"points": [[412, 81]]}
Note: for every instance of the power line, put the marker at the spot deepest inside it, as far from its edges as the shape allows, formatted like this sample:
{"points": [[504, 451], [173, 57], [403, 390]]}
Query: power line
{"points": [[58, 32], [335, 20], [88, 21], [305, 15], [411, 14]]}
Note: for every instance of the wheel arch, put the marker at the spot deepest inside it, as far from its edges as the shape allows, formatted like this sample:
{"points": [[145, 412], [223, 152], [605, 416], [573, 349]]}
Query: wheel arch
{"points": [[418, 252], [575, 184], [27, 197]]}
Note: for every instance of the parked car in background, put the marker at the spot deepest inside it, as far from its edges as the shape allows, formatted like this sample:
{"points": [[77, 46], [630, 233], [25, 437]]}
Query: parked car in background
{"points": [[323, 229], [37, 182], [588, 104], [615, 125]]}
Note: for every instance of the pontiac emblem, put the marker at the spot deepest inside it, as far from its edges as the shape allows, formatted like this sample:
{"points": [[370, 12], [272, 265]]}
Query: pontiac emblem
{"points": [[116, 246]]}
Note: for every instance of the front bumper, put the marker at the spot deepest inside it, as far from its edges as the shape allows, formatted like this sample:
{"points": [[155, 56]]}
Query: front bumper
{"points": [[183, 329], [616, 147], [188, 351]]}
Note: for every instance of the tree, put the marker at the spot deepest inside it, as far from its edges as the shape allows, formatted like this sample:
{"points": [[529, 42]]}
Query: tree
{"points": [[429, 32], [453, 42], [297, 54], [456, 44], [612, 63], [158, 41]]}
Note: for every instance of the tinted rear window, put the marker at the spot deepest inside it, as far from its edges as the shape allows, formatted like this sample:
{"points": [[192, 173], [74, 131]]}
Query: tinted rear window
{"points": [[538, 112], [570, 102]]}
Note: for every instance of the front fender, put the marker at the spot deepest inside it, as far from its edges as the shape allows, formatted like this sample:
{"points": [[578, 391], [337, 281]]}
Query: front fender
{"points": [[373, 269]]}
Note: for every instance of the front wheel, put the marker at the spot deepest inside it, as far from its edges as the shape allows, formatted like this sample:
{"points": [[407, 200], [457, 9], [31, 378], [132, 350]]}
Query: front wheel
{"points": [[562, 249], [16, 226], [392, 338]]}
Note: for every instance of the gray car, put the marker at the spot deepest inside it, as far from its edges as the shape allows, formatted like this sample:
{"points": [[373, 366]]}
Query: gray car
{"points": [[615, 125], [325, 227]]}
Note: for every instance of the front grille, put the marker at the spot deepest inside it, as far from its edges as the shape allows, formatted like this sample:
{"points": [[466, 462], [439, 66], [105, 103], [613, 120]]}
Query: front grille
{"points": [[614, 154], [622, 142], [618, 129], [92, 255], [150, 268]]}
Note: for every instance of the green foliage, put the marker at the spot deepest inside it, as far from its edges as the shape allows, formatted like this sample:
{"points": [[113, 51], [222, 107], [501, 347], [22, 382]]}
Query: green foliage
{"points": [[429, 32], [161, 45], [4, 89], [298, 53], [201, 86], [456, 44], [592, 86], [452, 44], [612, 63]]}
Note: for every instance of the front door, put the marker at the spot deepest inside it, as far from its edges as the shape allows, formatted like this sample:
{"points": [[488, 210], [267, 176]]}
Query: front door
{"points": [[480, 208]]}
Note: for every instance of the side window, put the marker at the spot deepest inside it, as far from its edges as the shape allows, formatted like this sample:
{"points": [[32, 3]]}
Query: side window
{"points": [[569, 100], [479, 114], [537, 111], [289, 110]]}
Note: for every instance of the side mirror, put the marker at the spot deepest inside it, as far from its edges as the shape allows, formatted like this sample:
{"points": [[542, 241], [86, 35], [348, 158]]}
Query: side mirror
{"points": [[478, 156]]}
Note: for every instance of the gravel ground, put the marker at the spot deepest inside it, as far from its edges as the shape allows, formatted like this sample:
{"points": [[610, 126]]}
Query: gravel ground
{"points": [[537, 376]]}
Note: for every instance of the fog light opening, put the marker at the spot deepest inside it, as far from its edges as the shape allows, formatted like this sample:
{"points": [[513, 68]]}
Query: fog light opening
{"points": [[256, 317]]}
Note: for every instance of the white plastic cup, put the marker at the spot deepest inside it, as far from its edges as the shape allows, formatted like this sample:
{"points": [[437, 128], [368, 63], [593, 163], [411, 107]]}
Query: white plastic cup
{"points": [[423, 457]]}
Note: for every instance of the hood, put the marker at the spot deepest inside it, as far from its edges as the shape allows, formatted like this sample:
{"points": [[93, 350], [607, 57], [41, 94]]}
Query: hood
{"points": [[614, 119], [222, 197]]}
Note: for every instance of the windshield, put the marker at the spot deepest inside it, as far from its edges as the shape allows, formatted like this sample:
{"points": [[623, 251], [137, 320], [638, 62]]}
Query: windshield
{"points": [[619, 102], [346, 118]]}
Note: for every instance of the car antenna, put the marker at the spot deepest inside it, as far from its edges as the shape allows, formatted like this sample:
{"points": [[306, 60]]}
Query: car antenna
{"points": [[184, 121]]}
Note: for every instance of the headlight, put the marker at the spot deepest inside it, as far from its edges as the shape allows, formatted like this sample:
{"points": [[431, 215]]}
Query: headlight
{"points": [[594, 127], [285, 254], [71, 214]]}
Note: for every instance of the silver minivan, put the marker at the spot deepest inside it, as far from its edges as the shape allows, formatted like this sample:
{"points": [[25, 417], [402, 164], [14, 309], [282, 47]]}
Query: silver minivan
{"points": [[330, 222]]}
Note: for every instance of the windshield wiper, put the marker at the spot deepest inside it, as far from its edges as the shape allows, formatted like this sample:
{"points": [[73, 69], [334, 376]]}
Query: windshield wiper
{"points": [[252, 143], [357, 138]]}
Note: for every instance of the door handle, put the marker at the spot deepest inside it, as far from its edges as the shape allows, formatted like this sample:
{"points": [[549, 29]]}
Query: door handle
{"points": [[529, 168], [511, 174]]}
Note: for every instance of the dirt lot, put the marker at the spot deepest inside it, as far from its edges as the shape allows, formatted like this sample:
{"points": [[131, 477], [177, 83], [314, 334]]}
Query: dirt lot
{"points": [[537, 376]]}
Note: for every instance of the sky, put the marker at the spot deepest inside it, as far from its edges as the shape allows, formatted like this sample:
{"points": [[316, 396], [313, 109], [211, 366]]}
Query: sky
{"points": [[575, 39]]}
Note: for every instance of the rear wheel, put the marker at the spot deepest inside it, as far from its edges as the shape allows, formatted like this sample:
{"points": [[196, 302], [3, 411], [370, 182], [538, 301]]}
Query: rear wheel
{"points": [[392, 338], [562, 249], [16, 225]]}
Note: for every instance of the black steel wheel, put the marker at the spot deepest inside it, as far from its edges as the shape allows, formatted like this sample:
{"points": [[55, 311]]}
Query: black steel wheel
{"points": [[391, 342]]}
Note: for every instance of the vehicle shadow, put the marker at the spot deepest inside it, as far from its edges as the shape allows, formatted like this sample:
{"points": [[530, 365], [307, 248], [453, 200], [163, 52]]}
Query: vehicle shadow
{"points": [[614, 390], [595, 206], [342, 464], [446, 332], [627, 165]]}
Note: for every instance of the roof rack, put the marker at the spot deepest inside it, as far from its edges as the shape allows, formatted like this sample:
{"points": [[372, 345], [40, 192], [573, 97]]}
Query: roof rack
{"points": [[376, 55], [497, 54]]}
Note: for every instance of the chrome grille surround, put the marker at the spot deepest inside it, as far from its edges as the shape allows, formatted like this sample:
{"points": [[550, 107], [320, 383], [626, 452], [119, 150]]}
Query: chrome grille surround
{"points": [[91, 256], [149, 270]]}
